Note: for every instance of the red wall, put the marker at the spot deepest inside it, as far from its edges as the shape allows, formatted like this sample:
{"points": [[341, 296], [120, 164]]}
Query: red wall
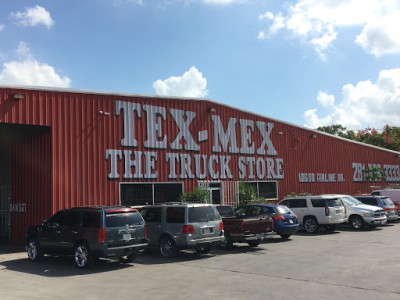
{"points": [[31, 183]]}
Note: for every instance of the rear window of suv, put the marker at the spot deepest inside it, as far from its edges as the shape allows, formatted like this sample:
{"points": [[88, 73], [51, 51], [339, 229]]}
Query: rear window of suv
{"points": [[334, 202], [203, 214], [175, 215], [120, 219]]}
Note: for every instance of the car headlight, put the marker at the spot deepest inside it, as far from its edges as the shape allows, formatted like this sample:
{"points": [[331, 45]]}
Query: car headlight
{"points": [[368, 214]]}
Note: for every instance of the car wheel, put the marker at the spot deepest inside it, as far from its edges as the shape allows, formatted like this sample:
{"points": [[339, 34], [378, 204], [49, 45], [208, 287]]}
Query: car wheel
{"points": [[227, 242], [82, 256], [127, 258], [311, 225], [203, 250], [168, 247], [330, 227], [285, 235], [33, 250], [356, 222], [254, 243]]}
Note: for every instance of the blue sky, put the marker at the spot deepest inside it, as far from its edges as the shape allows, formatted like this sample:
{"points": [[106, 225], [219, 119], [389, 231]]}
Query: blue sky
{"points": [[306, 62]]}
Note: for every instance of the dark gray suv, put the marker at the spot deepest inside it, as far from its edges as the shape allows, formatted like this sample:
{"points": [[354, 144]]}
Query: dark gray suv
{"points": [[174, 226], [88, 233]]}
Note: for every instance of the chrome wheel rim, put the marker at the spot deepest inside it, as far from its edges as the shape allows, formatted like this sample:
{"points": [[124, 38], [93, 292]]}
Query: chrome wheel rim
{"points": [[166, 247], [32, 250], [356, 223], [310, 225], [81, 256]]}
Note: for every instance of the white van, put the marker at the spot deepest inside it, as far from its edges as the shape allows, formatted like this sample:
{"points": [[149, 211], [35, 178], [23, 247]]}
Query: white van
{"points": [[393, 194]]}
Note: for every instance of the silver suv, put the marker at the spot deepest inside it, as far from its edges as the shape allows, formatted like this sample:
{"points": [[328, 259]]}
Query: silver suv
{"points": [[313, 211], [175, 226]]}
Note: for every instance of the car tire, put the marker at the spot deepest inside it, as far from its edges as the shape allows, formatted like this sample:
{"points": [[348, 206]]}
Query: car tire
{"points": [[254, 243], [82, 256], [34, 250], [128, 258], [168, 247], [310, 224], [203, 249], [356, 222], [285, 235], [227, 243]]}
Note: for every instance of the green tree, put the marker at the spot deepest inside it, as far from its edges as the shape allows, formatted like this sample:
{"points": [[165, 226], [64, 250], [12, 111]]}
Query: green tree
{"points": [[197, 195], [247, 193], [389, 138], [374, 174], [332, 129]]}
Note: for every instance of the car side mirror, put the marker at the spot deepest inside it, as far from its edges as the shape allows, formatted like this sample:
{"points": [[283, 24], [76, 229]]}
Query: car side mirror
{"points": [[45, 223]]}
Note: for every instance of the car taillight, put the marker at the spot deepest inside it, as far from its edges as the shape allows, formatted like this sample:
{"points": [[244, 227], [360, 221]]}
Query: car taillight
{"points": [[102, 235], [187, 229], [327, 212], [221, 225], [387, 208], [277, 218], [145, 231]]}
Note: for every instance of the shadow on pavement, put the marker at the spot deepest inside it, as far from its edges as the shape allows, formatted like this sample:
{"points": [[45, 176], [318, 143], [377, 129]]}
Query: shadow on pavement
{"points": [[60, 266]]}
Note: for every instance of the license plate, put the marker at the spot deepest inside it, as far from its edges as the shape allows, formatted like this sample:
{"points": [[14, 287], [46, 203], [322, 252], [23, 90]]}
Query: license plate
{"points": [[338, 211], [207, 230], [126, 237]]}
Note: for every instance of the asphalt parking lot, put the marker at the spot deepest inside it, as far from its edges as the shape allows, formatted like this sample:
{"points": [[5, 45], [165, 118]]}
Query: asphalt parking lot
{"points": [[345, 264]]}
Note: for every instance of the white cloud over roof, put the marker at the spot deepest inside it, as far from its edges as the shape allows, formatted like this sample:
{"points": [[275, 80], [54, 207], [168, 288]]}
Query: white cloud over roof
{"points": [[29, 71], [190, 84], [33, 16], [367, 103], [318, 22]]}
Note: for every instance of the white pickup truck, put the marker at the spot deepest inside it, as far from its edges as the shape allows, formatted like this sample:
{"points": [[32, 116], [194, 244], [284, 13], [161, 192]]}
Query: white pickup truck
{"points": [[360, 215]]}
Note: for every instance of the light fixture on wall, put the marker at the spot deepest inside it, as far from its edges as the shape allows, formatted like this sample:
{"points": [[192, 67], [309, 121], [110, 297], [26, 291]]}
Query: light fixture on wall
{"points": [[313, 136], [211, 109], [106, 113], [18, 96]]}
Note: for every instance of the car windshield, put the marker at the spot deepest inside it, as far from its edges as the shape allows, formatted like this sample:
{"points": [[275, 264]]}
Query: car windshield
{"points": [[334, 202], [121, 219], [283, 210], [387, 201], [203, 214], [351, 201]]}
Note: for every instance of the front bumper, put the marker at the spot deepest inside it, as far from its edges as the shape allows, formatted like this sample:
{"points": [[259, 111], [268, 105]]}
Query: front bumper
{"points": [[375, 221]]}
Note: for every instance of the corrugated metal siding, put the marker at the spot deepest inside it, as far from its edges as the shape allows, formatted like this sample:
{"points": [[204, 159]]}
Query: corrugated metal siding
{"points": [[30, 200], [83, 125]]}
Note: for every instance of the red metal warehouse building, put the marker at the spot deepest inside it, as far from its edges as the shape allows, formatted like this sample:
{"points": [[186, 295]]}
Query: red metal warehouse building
{"points": [[61, 148]]}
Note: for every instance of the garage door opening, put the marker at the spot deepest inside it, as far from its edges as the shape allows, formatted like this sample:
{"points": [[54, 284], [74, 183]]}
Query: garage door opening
{"points": [[25, 160]]}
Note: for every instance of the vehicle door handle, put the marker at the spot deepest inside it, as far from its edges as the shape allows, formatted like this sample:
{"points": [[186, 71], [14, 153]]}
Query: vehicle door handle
{"points": [[58, 231], [74, 232]]}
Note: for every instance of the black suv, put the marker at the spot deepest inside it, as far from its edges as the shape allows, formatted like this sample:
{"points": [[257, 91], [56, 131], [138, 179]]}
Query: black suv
{"points": [[88, 233]]}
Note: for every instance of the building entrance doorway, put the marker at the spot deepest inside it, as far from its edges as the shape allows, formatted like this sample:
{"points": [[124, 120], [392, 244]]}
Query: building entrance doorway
{"points": [[25, 160]]}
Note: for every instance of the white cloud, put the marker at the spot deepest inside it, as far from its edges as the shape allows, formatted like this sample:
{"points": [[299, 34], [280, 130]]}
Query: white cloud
{"points": [[365, 104], [317, 22], [28, 71], [33, 16], [325, 99], [190, 84], [1, 27]]}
